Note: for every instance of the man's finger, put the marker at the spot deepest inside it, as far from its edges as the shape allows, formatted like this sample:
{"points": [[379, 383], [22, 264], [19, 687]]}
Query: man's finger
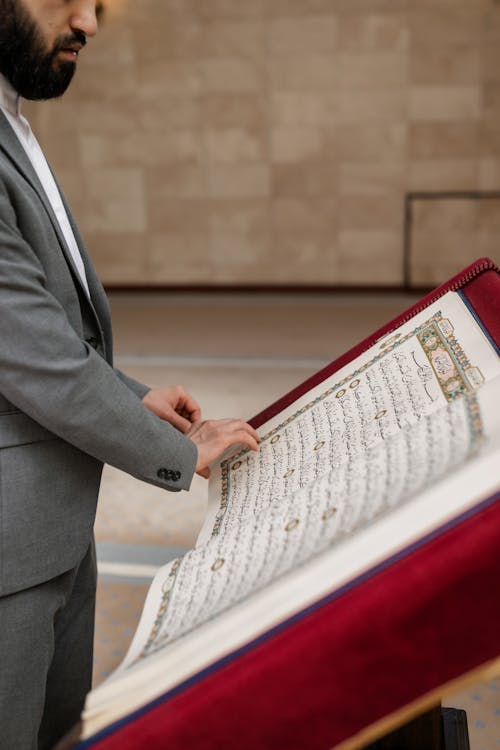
{"points": [[193, 415], [175, 419], [241, 426], [241, 436], [189, 407]]}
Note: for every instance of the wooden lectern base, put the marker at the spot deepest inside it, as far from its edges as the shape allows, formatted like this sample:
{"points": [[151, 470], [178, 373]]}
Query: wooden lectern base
{"points": [[438, 729]]}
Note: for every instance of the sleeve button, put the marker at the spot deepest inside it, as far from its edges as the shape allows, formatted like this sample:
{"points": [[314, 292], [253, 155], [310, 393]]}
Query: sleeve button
{"points": [[168, 475]]}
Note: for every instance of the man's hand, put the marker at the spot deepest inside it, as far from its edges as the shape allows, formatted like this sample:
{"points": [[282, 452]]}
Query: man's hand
{"points": [[214, 436], [174, 405]]}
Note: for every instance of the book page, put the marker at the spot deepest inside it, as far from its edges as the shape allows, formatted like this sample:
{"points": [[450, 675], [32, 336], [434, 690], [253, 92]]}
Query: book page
{"points": [[229, 567], [346, 456], [429, 362]]}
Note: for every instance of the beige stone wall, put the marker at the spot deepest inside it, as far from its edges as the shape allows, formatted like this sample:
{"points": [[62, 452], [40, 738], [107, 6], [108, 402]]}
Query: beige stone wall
{"points": [[274, 141]]}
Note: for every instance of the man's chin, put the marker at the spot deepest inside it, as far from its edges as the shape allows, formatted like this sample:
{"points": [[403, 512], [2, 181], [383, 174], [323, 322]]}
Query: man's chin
{"points": [[39, 95], [54, 87]]}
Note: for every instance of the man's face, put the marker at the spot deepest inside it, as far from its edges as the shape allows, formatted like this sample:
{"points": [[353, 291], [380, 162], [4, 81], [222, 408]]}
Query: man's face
{"points": [[40, 41]]}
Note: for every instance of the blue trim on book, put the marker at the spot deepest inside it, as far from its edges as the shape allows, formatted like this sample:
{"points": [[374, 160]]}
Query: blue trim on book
{"points": [[130, 718], [478, 320]]}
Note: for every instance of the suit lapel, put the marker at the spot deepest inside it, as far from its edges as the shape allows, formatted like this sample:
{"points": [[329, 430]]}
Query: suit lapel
{"points": [[9, 143], [97, 293]]}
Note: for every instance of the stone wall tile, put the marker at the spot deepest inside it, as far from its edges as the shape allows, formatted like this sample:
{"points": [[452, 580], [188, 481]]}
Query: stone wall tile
{"points": [[488, 218], [238, 180], [303, 109], [489, 173], [305, 178], [372, 105], [490, 139], [358, 178], [490, 47], [443, 174], [369, 142], [447, 24], [369, 70], [116, 200], [452, 214], [476, 5], [238, 257], [456, 140], [446, 103], [290, 8], [168, 78], [374, 32], [491, 103], [368, 257], [296, 144], [316, 215], [169, 38], [236, 75], [94, 117], [120, 256], [435, 254], [180, 257], [214, 9], [302, 258], [491, 64], [177, 214], [371, 211], [170, 148], [306, 7], [182, 180], [491, 26], [107, 83], [233, 39], [66, 150], [304, 73], [67, 116], [135, 149], [310, 35], [234, 110], [113, 50], [449, 64], [160, 113], [242, 216], [235, 144]]}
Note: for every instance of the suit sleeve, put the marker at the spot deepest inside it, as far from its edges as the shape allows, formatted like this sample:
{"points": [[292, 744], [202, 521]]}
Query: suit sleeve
{"points": [[135, 386], [60, 382]]}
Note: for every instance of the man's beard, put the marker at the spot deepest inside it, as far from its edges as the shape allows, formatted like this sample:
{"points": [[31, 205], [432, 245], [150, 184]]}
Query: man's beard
{"points": [[29, 67]]}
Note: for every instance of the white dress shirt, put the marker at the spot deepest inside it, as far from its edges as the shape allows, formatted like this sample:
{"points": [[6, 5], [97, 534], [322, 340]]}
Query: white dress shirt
{"points": [[10, 105]]}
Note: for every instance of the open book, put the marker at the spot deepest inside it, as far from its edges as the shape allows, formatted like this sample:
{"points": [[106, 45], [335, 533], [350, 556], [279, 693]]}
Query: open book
{"points": [[381, 453]]}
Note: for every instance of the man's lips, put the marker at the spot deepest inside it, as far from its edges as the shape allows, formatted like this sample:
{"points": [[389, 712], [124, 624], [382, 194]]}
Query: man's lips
{"points": [[71, 52]]}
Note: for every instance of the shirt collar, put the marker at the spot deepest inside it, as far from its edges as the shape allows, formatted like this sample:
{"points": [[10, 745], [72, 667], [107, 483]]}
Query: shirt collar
{"points": [[9, 98]]}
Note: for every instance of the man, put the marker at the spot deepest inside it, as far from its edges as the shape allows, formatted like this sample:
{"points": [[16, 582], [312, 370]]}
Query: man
{"points": [[64, 410]]}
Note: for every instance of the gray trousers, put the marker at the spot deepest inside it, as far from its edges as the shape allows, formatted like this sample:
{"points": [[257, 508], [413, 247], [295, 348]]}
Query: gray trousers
{"points": [[46, 641]]}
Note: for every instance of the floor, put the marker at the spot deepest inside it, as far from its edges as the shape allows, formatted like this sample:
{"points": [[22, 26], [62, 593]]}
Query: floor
{"points": [[235, 354]]}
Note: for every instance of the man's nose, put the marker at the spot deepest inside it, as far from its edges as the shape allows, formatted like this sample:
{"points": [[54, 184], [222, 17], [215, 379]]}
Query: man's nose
{"points": [[83, 17]]}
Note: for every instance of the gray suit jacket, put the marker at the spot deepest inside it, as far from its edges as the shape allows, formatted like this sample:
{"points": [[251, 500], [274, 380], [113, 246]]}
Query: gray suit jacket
{"points": [[64, 409]]}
